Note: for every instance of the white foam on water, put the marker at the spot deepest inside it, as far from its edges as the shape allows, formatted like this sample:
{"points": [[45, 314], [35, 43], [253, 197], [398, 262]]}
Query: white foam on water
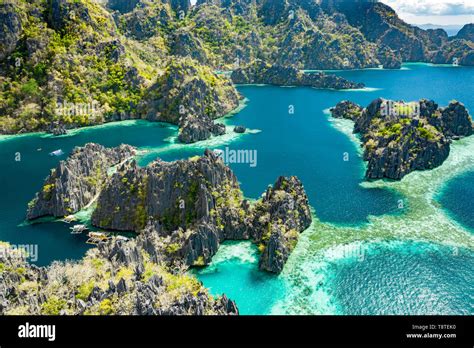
{"points": [[365, 89], [243, 251], [213, 142]]}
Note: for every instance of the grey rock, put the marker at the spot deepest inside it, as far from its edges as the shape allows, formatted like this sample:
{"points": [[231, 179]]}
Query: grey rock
{"points": [[76, 181], [240, 129]]}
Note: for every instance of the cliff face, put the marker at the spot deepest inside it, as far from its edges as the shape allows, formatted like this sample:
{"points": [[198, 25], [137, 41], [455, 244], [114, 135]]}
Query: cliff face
{"points": [[277, 221], [186, 88], [185, 209], [466, 33], [76, 181], [260, 72], [10, 30], [118, 278], [192, 96], [176, 193], [397, 143]]}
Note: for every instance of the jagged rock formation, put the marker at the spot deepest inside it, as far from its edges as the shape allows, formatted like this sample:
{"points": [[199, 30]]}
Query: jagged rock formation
{"points": [[186, 88], [10, 29], [466, 33], [400, 139], [76, 181], [175, 193], [192, 96], [347, 109], [240, 129], [262, 73], [187, 208], [195, 129], [118, 278], [184, 44], [277, 221]]}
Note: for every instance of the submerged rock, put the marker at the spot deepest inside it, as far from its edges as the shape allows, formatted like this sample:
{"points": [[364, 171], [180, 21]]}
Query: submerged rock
{"points": [[399, 138], [76, 181], [262, 73]]}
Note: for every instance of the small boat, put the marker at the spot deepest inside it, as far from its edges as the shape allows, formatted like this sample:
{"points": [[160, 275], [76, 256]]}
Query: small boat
{"points": [[97, 237], [70, 218], [39, 149], [57, 153], [78, 229], [123, 238]]}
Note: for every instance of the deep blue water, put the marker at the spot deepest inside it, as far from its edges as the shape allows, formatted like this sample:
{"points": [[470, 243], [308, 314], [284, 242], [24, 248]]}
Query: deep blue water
{"points": [[304, 144]]}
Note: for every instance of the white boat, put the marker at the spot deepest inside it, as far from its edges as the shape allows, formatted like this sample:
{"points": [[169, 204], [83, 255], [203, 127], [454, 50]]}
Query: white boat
{"points": [[56, 153], [78, 229]]}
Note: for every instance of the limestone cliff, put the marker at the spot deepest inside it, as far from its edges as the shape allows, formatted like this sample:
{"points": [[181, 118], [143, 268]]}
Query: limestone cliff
{"points": [[75, 182], [185, 209]]}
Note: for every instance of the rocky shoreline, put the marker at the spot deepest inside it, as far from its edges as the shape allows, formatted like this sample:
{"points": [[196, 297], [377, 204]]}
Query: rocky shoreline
{"points": [[399, 138], [75, 182], [185, 208], [260, 72]]}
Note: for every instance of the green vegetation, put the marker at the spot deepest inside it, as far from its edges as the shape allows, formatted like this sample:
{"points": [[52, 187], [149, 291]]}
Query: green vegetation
{"points": [[53, 305], [85, 290], [106, 307]]}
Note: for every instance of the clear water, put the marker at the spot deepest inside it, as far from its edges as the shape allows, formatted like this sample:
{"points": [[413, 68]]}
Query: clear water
{"points": [[313, 147], [457, 197], [21, 179], [407, 278]]}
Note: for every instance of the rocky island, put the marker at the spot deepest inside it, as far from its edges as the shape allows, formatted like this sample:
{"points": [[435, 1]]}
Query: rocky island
{"points": [[183, 210], [260, 72], [400, 137], [76, 182]]}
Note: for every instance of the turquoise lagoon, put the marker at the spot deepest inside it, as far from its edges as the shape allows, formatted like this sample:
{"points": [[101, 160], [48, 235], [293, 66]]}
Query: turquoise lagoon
{"points": [[373, 248]]}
